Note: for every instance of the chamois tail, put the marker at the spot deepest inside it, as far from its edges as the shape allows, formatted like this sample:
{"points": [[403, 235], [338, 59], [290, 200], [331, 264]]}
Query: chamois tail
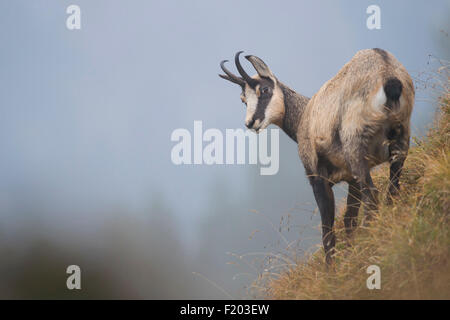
{"points": [[393, 89]]}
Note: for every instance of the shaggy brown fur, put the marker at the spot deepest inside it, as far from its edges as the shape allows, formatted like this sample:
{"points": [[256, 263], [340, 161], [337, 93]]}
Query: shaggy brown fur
{"points": [[357, 120]]}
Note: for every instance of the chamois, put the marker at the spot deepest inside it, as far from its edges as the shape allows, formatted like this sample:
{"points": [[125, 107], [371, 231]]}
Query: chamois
{"points": [[358, 119]]}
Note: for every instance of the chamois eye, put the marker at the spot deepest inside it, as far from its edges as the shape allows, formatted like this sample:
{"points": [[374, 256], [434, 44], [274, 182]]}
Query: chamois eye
{"points": [[265, 90]]}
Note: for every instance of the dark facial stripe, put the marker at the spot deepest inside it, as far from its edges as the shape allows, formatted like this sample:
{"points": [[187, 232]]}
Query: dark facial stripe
{"points": [[264, 98]]}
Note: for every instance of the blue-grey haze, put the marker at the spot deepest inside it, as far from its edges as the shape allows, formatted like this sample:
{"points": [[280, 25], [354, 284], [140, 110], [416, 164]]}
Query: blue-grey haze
{"points": [[85, 122]]}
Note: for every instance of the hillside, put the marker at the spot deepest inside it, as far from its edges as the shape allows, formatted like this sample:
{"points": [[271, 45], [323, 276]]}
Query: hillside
{"points": [[409, 240]]}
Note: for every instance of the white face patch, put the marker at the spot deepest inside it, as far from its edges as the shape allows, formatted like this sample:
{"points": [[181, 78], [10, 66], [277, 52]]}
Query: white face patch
{"points": [[252, 102]]}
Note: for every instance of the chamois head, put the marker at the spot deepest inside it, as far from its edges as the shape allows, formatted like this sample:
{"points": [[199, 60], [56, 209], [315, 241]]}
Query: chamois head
{"points": [[261, 93]]}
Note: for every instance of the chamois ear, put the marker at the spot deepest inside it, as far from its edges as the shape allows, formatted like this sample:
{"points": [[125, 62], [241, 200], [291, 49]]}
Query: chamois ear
{"points": [[262, 69]]}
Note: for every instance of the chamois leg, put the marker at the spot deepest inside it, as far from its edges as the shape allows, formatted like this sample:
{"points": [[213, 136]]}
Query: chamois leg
{"points": [[353, 203], [398, 149], [369, 194], [325, 201]]}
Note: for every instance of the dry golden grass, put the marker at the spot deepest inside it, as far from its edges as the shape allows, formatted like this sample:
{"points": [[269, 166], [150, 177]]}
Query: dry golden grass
{"points": [[409, 240]]}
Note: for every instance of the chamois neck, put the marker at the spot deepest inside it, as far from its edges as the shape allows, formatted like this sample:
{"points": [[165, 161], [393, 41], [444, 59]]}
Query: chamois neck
{"points": [[294, 104]]}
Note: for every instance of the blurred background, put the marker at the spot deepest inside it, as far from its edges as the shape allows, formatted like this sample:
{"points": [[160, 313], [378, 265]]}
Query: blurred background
{"points": [[86, 116]]}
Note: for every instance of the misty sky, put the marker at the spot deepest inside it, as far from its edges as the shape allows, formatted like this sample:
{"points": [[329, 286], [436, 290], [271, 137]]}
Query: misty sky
{"points": [[86, 116]]}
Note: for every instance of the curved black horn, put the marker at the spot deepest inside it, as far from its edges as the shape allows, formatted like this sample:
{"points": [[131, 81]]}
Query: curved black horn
{"points": [[251, 82], [231, 77]]}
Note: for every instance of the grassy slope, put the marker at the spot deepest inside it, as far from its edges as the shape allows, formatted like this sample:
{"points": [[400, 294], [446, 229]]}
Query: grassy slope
{"points": [[408, 240]]}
